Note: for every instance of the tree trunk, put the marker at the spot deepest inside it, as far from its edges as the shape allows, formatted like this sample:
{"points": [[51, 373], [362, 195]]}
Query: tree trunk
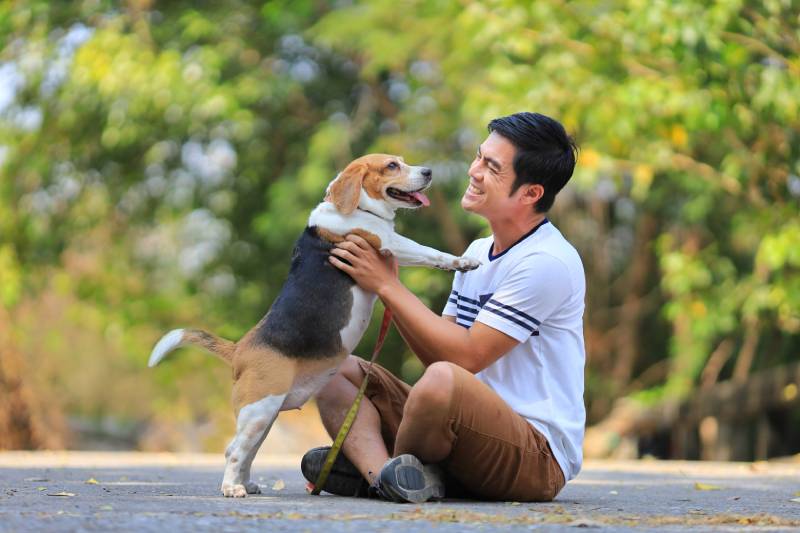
{"points": [[16, 422], [627, 339]]}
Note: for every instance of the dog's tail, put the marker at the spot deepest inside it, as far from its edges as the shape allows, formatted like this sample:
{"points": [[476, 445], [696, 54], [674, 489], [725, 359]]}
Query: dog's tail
{"points": [[181, 337]]}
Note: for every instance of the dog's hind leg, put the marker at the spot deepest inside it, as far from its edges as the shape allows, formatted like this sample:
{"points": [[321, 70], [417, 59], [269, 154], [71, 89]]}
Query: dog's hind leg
{"points": [[252, 425]]}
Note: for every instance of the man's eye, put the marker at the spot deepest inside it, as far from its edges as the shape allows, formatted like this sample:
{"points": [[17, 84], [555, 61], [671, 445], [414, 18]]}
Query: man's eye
{"points": [[392, 166]]}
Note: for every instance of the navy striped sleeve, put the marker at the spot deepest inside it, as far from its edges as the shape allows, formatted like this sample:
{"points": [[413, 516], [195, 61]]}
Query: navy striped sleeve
{"points": [[527, 297], [510, 314]]}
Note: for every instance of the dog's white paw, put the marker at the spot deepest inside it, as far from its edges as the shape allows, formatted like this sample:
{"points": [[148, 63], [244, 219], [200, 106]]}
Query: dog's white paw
{"points": [[465, 264], [234, 491], [252, 488]]}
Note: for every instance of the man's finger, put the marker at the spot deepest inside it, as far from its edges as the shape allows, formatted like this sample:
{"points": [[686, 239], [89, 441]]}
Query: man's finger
{"points": [[358, 240], [341, 252], [347, 245], [341, 265]]}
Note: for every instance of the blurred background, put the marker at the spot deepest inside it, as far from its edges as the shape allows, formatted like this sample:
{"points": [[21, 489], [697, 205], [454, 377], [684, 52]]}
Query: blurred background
{"points": [[158, 160]]}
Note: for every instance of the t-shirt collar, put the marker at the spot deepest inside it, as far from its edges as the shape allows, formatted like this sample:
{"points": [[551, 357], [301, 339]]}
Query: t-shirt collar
{"points": [[531, 232]]}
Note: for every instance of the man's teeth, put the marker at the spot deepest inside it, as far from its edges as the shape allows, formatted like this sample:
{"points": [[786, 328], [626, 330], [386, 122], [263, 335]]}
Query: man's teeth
{"points": [[473, 190]]}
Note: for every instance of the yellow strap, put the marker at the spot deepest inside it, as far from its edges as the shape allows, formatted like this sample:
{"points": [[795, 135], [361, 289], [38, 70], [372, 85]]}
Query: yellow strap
{"points": [[351, 414], [337, 444]]}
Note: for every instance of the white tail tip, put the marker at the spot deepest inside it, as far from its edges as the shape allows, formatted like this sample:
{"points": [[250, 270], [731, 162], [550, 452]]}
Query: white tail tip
{"points": [[168, 342]]}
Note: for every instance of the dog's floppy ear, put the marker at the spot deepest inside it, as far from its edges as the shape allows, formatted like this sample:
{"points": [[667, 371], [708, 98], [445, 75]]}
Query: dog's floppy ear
{"points": [[345, 191]]}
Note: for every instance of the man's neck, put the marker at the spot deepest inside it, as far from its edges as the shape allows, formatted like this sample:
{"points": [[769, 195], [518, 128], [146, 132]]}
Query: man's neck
{"points": [[508, 231]]}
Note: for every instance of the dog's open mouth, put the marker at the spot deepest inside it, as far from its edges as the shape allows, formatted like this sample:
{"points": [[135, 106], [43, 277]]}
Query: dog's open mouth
{"points": [[413, 197]]}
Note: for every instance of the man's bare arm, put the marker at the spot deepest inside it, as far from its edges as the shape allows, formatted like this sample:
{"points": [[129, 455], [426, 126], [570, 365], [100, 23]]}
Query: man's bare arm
{"points": [[435, 338]]}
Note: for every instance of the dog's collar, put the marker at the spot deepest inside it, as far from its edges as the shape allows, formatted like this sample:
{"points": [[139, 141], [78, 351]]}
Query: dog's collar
{"points": [[373, 214]]}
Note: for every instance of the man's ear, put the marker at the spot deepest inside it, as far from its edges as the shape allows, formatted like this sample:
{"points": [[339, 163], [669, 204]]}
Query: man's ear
{"points": [[532, 193], [345, 191]]}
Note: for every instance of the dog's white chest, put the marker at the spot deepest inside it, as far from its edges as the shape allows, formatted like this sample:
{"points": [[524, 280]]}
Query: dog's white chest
{"points": [[360, 313]]}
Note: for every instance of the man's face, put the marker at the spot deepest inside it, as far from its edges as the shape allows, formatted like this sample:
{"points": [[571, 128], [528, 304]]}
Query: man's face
{"points": [[491, 176]]}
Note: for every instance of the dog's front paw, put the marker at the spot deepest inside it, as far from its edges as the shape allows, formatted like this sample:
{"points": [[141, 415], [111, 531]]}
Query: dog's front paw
{"points": [[234, 491], [252, 488], [465, 264]]}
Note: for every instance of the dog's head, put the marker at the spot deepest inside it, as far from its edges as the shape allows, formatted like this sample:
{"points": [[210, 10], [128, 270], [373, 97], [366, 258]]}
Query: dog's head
{"points": [[379, 182]]}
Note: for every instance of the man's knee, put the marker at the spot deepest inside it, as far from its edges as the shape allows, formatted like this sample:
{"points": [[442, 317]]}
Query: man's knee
{"points": [[434, 390], [349, 371]]}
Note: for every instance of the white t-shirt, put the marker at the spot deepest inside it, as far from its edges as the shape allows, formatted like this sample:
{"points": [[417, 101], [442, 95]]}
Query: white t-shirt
{"points": [[533, 292]]}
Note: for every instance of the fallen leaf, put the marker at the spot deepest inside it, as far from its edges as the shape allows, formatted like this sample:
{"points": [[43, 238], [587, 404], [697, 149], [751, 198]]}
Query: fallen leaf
{"points": [[106, 508], [41, 488], [797, 493], [347, 517], [613, 492], [279, 485], [706, 486], [37, 479], [92, 481], [68, 494], [585, 522], [795, 500]]}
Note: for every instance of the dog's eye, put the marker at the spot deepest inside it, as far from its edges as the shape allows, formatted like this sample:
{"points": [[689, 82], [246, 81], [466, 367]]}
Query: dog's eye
{"points": [[392, 166]]}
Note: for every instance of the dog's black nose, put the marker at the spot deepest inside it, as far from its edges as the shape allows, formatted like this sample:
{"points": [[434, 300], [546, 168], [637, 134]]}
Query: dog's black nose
{"points": [[426, 172]]}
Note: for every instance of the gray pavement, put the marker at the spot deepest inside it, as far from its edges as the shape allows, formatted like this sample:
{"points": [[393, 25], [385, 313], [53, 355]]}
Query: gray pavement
{"points": [[84, 491]]}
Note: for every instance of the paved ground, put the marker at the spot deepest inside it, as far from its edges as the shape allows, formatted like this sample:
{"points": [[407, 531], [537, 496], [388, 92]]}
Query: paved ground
{"points": [[163, 492]]}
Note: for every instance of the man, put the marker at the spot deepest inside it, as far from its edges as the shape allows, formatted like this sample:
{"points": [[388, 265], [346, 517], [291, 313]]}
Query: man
{"points": [[498, 413]]}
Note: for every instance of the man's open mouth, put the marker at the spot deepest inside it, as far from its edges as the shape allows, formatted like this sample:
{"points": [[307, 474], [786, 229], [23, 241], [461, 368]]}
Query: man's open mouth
{"points": [[413, 197]]}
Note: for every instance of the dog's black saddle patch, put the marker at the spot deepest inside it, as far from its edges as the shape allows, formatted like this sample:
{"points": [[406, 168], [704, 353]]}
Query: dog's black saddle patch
{"points": [[313, 305]]}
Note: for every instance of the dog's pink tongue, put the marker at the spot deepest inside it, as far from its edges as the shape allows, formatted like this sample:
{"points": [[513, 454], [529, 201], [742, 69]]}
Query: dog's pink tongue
{"points": [[421, 197]]}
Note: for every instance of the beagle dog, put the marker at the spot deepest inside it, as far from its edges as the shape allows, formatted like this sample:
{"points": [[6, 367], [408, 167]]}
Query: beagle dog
{"points": [[320, 314]]}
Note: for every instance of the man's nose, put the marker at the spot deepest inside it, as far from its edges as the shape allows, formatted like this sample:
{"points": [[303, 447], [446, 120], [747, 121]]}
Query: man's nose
{"points": [[474, 172]]}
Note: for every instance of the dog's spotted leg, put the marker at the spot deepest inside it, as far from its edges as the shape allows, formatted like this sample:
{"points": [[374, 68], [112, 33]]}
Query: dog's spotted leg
{"points": [[252, 426]]}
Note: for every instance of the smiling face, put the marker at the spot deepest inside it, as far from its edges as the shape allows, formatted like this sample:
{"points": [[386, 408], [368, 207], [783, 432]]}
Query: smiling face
{"points": [[491, 176], [381, 178]]}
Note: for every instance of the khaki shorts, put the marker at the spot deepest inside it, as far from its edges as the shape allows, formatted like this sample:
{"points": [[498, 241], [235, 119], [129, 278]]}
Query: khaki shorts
{"points": [[496, 454]]}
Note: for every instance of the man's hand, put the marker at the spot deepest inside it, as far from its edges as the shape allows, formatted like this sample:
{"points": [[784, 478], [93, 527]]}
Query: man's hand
{"points": [[371, 270]]}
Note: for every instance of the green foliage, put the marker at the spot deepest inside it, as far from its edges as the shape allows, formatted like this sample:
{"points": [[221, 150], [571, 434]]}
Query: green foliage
{"points": [[157, 161], [687, 115], [135, 190]]}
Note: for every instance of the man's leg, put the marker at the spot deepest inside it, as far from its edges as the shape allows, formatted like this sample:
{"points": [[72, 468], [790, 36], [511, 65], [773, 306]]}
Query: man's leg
{"points": [[364, 445], [424, 431], [452, 417]]}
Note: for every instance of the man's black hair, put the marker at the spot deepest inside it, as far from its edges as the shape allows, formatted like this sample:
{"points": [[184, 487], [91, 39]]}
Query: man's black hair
{"points": [[545, 153]]}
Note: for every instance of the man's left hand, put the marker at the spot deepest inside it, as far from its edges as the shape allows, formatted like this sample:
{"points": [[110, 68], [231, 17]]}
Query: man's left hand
{"points": [[371, 270]]}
